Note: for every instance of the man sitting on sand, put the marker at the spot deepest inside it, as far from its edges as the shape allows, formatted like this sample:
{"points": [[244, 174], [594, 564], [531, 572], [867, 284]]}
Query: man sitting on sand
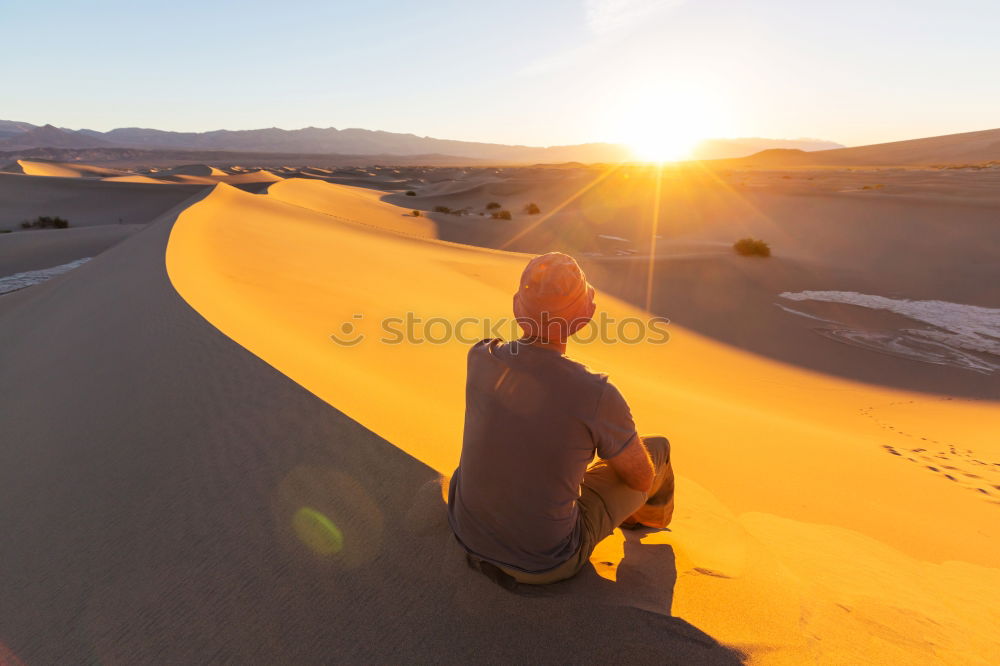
{"points": [[525, 501]]}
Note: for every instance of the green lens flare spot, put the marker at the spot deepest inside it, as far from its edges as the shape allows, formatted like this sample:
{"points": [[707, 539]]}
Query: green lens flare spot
{"points": [[317, 532]]}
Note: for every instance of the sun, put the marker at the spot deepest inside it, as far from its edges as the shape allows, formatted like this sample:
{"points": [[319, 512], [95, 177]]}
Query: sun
{"points": [[666, 124], [662, 130], [664, 144]]}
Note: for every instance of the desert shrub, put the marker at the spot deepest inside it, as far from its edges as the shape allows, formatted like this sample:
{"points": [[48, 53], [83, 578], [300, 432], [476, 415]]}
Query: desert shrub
{"points": [[749, 247], [501, 215], [873, 187], [493, 205], [416, 213], [45, 222], [411, 193], [442, 209], [4, 231], [532, 209]]}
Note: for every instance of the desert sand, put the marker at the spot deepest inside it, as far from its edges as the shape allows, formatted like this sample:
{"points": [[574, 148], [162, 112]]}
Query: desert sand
{"points": [[33, 250], [951, 149], [63, 169], [85, 202], [837, 503], [827, 231]]}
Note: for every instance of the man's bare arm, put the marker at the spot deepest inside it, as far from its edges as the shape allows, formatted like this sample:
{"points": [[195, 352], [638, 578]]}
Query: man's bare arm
{"points": [[634, 466]]}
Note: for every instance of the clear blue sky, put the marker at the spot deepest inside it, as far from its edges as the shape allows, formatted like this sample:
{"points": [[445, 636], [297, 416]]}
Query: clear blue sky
{"points": [[519, 71]]}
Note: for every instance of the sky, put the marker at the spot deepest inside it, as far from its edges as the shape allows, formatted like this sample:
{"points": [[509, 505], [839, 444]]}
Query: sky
{"points": [[532, 72]]}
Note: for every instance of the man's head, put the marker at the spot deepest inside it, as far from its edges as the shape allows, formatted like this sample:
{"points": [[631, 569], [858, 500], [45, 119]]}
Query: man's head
{"points": [[554, 299]]}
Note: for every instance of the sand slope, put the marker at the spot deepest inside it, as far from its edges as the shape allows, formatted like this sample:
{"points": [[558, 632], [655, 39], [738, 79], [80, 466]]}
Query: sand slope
{"points": [[151, 476], [34, 250], [809, 526], [218, 176], [950, 148], [189, 174], [922, 234], [65, 169], [202, 170], [85, 202], [344, 203], [134, 178]]}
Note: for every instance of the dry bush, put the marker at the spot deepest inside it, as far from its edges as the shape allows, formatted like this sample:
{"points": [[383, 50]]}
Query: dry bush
{"points": [[752, 247]]}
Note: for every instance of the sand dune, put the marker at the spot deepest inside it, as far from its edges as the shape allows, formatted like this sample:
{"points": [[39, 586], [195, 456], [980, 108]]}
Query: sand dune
{"points": [[826, 337], [155, 497], [810, 523], [480, 186], [804, 215], [110, 199], [948, 149], [266, 495], [64, 169], [315, 171], [135, 178], [252, 180], [85, 202], [871, 241], [254, 176], [472, 193], [34, 250], [354, 205], [202, 170]]}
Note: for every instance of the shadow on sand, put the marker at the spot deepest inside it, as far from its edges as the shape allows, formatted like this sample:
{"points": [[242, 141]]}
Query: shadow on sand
{"points": [[631, 613]]}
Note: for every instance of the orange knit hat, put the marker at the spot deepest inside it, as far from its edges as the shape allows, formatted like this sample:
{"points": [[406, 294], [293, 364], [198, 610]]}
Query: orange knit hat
{"points": [[554, 299]]}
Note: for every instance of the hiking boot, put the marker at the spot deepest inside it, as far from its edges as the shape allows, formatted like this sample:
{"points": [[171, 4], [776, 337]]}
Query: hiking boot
{"points": [[657, 517]]}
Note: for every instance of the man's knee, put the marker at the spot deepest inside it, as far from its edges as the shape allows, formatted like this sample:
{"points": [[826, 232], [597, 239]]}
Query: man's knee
{"points": [[659, 449]]}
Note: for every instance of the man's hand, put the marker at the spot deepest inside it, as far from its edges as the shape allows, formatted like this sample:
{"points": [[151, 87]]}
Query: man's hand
{"points": [[634, 466]]}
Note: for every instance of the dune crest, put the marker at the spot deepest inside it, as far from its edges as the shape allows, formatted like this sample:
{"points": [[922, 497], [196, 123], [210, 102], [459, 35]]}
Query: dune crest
{"points": [[797, 500], [356, 205], [66, 170]]}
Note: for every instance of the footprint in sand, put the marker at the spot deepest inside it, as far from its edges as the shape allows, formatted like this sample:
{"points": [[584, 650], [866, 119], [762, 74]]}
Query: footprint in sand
{"points": [[954, 463]]}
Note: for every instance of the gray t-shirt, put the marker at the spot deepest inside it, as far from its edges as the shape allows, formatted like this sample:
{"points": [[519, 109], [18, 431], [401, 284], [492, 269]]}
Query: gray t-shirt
{"points": [[533, 420]]}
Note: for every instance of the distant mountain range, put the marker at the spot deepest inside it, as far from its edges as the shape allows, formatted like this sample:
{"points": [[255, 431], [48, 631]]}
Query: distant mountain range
{"points": [[17, 136], [310, 140], [357, 146], [48, 136]]}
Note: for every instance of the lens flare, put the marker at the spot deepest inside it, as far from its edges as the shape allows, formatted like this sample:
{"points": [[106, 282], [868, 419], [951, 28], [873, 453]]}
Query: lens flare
{"points": [[317, 532]]}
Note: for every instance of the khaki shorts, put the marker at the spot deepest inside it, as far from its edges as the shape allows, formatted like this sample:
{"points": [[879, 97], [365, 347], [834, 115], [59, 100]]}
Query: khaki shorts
{"points": [[605, 502]]}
